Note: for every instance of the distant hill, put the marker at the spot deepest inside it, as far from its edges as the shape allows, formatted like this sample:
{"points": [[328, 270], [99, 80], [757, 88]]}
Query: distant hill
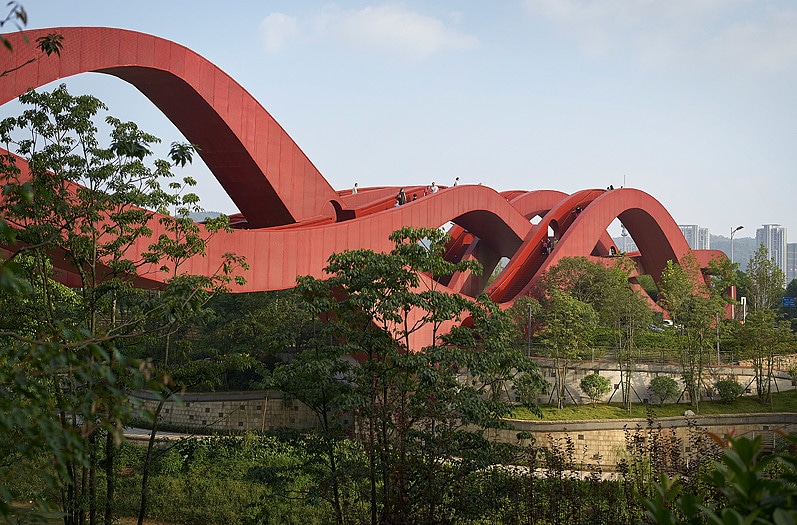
{"points": [[201, 216], [743, 248]]}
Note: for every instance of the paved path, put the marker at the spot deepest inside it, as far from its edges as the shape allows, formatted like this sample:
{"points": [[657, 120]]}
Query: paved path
{"points": [[142, 434]]}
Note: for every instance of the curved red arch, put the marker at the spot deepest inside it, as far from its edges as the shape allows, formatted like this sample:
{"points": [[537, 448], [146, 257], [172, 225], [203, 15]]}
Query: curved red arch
{"points": [[265, 173], [295, 220], [658, 237]]}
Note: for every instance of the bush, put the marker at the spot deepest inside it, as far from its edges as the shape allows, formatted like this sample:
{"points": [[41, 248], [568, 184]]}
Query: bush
{"points": [[664, 388], [751, 488], [728, 389], [595, 386]]}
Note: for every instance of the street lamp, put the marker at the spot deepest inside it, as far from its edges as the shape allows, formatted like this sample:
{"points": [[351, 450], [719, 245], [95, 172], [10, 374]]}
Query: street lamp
{"points": [[734, 230], [733, 305]]}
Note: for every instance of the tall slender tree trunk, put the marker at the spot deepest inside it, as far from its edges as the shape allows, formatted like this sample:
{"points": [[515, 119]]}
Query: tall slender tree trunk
{"points": [[110, 477], [330, 446], [82, 494], [142, 509], [93, 478], [372, 467]]}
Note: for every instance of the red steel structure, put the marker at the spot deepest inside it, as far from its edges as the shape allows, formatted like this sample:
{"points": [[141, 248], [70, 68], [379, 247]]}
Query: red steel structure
{"points": [[292, 220]]}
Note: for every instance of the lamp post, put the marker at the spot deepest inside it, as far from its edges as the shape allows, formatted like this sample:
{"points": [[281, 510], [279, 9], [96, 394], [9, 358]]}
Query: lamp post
{"points": [[734, 230], [733, 305]]}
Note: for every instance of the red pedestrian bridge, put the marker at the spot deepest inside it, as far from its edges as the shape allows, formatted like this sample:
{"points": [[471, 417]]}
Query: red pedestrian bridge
{"points": [[291, 220]]}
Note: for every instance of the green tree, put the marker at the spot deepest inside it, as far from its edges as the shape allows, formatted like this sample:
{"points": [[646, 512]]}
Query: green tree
{"points": [[629, 312], [568, 329], [260, 324], [762, 338], [595, 386], [588, 282], [790, 312], [766, 281], [618, 306], [87, 204], [179, 377], [664, 388], [695, 308], [526, 312], [422, 409]]}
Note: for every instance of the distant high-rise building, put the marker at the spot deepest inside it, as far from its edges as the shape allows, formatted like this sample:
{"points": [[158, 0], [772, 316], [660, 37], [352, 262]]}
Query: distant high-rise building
{"points": [[791, 262], [696, 237], [773, 237], [626, 244]]}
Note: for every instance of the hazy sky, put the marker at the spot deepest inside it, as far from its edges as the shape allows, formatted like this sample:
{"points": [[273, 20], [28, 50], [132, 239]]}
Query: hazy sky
{"points": [[693, 101]]}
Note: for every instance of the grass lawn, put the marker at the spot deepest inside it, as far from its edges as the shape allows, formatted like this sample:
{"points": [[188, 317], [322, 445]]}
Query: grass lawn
{"points": [[781, 402]]}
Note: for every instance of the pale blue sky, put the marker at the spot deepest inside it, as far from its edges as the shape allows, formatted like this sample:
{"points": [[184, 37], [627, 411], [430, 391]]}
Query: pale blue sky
{"points": [[692, 101]]}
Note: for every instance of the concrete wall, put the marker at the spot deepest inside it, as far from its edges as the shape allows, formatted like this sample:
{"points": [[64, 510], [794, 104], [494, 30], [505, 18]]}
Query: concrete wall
{"points": [[642, 375]]}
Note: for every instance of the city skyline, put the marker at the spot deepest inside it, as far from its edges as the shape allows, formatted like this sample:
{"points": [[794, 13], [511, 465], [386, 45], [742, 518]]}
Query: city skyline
{"points": [[774, 237], [688, 101]]}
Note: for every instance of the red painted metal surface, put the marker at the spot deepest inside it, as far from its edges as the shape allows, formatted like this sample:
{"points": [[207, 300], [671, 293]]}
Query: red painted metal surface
{"points": [[292, 220]]}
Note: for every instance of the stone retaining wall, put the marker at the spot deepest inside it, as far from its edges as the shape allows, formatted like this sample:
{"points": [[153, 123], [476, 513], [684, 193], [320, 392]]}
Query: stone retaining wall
{"points": [[604, 441], [230, 411], [596, 441]]}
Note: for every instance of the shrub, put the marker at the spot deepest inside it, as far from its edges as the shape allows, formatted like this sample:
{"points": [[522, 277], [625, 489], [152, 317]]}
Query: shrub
{"points": [[728, 389], [752, 488], [595, 386], [664, 388]]}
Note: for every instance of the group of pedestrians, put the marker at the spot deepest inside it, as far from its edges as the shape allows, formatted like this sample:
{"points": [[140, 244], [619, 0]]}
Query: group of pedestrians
{"points": [[548, 244], [401, 196]]}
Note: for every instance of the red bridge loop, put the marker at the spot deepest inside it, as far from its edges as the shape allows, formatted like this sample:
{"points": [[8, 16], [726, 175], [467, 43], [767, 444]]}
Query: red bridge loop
{"points": [[292, 220]]}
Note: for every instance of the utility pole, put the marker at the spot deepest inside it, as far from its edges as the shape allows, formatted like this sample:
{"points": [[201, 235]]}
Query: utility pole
{"points": [[733, 304]]}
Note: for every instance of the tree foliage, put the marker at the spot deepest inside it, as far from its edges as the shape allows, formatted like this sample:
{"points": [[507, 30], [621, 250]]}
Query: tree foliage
{"points": [[422, 393], [739, 489], [728, 389], [766, 281], [595, 386], [618, 306], [762, 339], [695, 308], [664, 388], [64, 372], [569, 325]]}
